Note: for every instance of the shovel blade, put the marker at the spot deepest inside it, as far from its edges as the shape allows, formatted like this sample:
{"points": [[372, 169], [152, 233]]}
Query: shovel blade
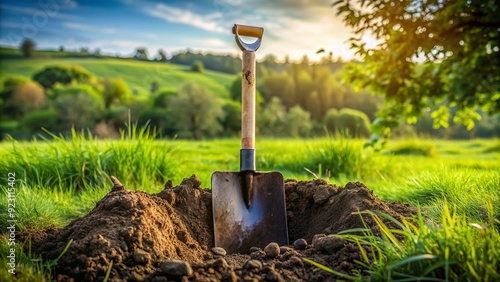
{"points": [[238, 228]]}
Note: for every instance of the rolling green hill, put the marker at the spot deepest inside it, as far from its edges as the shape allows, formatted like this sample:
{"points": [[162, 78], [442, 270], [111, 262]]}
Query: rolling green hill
{"points": [[138, 74]]}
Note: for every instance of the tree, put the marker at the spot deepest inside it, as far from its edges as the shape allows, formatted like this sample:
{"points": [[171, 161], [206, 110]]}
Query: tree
{"points": [[116, 91], [28, 47], [429, 52], [347, 121], [198, 111], [162, 56], [141, 53], [298, 122], [78, 105], [51, 75], [27, 97], [197, 66], [271, 119]]}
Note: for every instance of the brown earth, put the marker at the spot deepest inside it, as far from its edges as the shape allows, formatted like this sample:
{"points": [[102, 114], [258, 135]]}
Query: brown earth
{"points": [[169, 236]]}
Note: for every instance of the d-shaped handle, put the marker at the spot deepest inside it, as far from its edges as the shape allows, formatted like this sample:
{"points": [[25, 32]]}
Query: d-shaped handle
{"points": [[251, 31]]}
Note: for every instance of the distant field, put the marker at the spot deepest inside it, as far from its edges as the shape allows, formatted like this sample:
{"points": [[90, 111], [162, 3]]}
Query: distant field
{"points": [[138, 74]]}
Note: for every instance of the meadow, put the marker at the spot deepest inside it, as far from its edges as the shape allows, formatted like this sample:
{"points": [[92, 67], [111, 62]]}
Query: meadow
{"points": [[60, 179], [139, 75]]}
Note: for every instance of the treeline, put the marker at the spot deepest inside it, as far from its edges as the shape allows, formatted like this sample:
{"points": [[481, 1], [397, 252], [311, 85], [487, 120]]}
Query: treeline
{"points": [[300, 100]]}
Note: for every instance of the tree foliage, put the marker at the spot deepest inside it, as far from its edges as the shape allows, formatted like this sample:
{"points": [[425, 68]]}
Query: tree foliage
{"points": [[51, 75], [28, 47], [198, 111], [115, 91], [78, 105], [430, 52]]}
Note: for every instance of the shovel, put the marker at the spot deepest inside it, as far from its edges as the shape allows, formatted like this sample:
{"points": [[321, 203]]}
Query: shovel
{"points": [[248, 205]]}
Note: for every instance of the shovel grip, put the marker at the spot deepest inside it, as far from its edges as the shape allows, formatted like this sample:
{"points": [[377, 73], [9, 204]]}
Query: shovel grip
{"points": [[250, 31], [248, 101]]}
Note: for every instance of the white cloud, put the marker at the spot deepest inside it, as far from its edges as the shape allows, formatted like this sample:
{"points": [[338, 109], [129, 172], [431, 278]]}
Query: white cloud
{"points": [[78, 26], [209, 22]]}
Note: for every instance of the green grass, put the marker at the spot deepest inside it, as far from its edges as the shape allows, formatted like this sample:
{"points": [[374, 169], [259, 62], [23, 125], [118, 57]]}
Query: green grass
{"points": [[138, 74], [415, 147], [454, 249], [61, 179]]}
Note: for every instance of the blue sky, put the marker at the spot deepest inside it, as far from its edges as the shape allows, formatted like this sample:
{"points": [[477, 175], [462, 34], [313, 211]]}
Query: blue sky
{"points": [[292, 27]]}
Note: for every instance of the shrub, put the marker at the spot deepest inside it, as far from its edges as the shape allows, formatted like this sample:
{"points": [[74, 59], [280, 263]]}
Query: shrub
{"points": [[354, 122], [36, 120], [414, 148], [162, 120], [161, 100], [78, 105], [51, 75], [27, 97], [197, 66], [115, 91]]}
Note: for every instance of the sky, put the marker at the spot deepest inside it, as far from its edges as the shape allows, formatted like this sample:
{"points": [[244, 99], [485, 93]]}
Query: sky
{"points": [[291, 27]]}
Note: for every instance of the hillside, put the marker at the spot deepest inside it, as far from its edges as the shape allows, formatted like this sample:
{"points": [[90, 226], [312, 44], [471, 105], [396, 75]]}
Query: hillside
{"points": [[138, 74]]}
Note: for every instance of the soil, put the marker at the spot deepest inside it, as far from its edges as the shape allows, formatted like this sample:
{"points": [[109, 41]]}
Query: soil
{"points": [[169, 236]]}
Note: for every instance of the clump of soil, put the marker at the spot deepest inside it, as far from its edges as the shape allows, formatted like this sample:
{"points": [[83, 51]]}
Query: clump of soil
{"points": [[169, 236]]}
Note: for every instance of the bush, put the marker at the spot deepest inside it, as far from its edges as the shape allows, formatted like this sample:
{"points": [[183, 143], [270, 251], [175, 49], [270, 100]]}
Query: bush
{"points": [[414, 148], [197, 66], [349, 121], [161, 100], [13, 102], [162, 120], [78, 105], [9, 86], [49, 76], [115, 91], [35, 120], [27, 97]]}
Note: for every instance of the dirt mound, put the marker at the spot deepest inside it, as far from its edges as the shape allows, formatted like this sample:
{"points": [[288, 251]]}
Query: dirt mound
{"points": [[169, 236]]}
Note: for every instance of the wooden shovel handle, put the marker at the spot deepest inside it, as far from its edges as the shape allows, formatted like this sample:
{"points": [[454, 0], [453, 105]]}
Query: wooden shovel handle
{"points": [[248, 101]]}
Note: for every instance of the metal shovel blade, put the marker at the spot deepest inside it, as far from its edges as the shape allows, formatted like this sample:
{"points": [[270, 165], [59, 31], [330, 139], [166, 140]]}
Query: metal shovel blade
{"points": [[238, 228]]}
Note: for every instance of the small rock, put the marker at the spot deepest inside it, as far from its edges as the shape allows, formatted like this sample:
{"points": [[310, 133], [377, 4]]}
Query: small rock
{"points": [[253, 264], [257, 254], [141, 257], [274, 276], [300, 244], [272, 250], [317, 237], [255, 249], [219, 251], [329, 244], [284, 249], [229, 276], [220, 263], [296, 261], [176, 268]]}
